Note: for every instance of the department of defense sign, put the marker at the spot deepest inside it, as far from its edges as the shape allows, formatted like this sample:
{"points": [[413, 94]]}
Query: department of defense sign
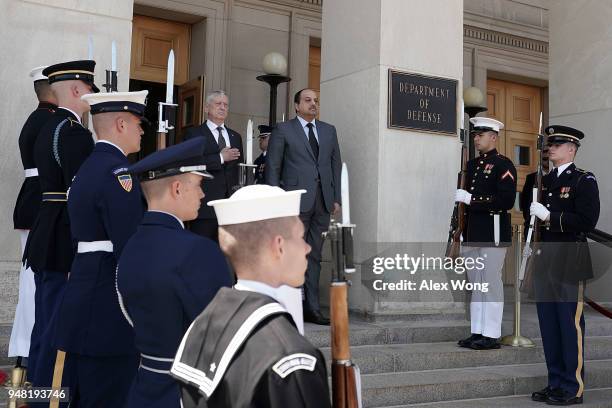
{"points": [[422, 103]]}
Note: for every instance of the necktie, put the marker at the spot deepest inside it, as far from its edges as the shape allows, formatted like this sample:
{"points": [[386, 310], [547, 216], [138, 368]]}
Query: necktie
{"points": [[555, 173], [314, 145], [221, 140]]}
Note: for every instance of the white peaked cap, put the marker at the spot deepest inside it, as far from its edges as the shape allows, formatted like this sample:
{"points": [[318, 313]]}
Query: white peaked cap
{"points": [[481, 123], [256, 203], [36, 74]]}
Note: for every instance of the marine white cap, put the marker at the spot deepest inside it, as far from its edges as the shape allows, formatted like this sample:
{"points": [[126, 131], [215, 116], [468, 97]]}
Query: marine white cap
{"points": [[483, 124], [256, 203], [36, 74]]}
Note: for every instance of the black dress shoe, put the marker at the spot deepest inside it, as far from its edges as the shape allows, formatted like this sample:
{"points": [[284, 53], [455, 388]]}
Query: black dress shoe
{"points": [[542, 395], [467, 341], [563, 398], [485, 343], [315, 317]]}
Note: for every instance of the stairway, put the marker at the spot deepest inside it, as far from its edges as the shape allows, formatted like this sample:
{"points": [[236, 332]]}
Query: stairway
{"points": [[417, 363]]}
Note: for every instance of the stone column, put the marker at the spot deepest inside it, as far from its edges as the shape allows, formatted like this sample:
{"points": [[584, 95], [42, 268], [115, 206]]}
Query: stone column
{"points": [[580, 89], [402, 181]]}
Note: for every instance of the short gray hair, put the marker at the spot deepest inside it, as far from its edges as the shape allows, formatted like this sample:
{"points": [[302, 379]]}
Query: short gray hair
{"points": [[215, 94]]}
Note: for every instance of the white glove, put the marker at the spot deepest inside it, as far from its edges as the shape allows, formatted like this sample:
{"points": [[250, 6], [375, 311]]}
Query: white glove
{"points": [[539, 211], [462, 196]]}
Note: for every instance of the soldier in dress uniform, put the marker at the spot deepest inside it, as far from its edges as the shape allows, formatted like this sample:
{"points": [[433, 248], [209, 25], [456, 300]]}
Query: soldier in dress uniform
{"points": [[568, 211], [244, 350], [489, 194], [105, 207], [167, 274], [26, 210], [61, 147], [264, 135]]}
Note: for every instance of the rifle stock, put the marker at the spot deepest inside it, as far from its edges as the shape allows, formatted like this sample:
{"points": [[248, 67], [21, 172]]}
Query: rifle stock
{"points": [[346, 385]]}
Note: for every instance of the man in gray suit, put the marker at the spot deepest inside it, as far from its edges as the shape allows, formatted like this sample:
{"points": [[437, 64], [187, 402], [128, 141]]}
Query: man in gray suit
{"points": [[303, 153]]}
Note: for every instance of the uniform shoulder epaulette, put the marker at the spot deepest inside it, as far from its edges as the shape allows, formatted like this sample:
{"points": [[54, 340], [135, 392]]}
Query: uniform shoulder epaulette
{"points": [[75, 122], [579, 170], [294, 362]]}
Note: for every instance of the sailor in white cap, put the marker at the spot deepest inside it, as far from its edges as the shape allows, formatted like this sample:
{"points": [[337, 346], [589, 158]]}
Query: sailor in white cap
{"points": [[489, 195], [26, 210], [245, 348]]}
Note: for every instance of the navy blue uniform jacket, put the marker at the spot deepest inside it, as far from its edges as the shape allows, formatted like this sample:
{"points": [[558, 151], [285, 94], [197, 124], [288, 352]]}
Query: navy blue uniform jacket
{"points": [[104, 204], [166, 277]]}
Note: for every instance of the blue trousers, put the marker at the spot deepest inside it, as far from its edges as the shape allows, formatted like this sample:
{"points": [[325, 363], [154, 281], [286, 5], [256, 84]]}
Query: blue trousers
{"points": [[562, 328], [49, 291]]}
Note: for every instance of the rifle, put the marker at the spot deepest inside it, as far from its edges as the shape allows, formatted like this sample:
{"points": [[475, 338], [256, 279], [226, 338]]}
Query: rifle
{"points": [[533, 233], [346, 382], [167, 109], [459, 216]]}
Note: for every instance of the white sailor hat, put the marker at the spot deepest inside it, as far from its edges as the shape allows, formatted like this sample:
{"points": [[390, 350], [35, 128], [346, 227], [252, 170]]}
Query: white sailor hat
{"points": [[37, 75], [133, 102], [256, 203], [481, 124]]}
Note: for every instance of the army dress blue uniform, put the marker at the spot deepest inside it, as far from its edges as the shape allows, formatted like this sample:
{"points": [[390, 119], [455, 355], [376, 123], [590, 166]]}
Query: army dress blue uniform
{"points": [[26, 211], [562, 267], [61, 147], [165, 278]]}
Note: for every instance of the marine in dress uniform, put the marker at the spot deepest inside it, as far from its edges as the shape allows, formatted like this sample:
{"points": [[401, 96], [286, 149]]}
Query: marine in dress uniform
{"points": [[568, 211], [166, 274], [264, 135], [61, 147], [26, 210], [489, 194], [244, 350], [105, 207]]}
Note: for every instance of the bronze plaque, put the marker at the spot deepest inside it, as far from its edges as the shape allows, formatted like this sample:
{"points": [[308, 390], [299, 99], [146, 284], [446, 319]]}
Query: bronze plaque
{"points": [[422, 103]]}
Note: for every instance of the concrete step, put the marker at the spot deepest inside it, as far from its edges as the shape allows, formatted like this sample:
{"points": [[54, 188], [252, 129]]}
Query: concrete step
{"points": [[426, 356], [5, 336], [388, 389], [393, 332], [594, 398]]}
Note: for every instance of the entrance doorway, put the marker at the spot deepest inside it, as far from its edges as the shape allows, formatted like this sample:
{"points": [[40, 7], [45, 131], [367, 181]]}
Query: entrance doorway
{"points": [[152, 40], [518, 106]]}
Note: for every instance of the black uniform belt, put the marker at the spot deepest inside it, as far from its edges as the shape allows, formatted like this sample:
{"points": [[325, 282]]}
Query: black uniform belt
{"points": [[156, 364], [54, 196]]}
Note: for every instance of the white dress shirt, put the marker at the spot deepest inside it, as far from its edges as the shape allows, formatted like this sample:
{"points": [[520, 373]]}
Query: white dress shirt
{"points": [[314, 127], [562, 168], [213, 128]]}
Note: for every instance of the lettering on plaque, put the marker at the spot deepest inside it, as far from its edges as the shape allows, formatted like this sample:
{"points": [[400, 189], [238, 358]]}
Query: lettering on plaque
{"points": [[424, 103]]}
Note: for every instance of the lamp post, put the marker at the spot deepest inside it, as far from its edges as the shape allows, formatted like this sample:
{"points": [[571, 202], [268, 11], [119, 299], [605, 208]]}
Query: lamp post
{"points": [[275, 67], [473, 100]]}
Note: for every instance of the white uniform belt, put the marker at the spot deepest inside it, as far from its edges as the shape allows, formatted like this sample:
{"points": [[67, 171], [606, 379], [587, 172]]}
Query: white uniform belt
{"points": [[95, 246], [31, 172]]}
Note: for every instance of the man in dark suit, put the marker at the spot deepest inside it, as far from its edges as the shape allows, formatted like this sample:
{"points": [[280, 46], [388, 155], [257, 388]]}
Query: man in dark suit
{"points": [[222, 153], [303, 153]]}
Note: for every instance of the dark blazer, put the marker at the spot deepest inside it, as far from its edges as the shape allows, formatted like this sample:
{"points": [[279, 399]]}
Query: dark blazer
{"points": [[226, 174], [290, 162]]}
